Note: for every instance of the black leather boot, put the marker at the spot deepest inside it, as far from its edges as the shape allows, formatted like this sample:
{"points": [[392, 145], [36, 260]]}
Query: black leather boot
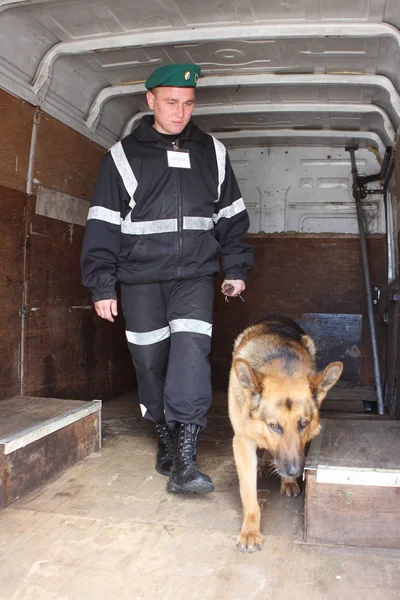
{"points": [[165, 448], [185, 476]]}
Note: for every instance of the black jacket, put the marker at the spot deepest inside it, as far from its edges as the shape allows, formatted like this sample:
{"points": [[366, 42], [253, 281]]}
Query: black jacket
{"points": [[150, 222]]}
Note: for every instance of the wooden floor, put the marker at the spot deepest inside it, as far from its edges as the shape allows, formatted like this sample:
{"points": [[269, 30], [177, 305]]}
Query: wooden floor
{"points": [[107, 528]]}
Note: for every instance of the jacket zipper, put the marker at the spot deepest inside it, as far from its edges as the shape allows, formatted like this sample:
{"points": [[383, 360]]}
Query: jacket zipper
{"points": [[175, 145]]}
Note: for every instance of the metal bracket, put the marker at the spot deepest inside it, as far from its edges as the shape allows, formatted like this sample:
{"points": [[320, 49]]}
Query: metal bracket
{"points": [[377, 290], [394, 296], [369, 191]]}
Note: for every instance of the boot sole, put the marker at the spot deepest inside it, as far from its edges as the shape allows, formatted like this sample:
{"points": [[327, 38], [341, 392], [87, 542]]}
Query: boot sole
{"points": [[162, 472], [193, 487]]}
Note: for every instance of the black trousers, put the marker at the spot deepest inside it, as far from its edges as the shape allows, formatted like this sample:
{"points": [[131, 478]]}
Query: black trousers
{"points": [[168, 328]]}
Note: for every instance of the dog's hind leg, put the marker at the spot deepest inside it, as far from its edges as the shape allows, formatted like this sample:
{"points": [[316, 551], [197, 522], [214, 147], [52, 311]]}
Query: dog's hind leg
{"points": [[245, 453]]}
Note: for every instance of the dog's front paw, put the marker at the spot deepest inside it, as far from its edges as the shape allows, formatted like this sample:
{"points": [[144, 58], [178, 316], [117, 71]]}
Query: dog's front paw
{"points": [[290, 488], [249, 541]]}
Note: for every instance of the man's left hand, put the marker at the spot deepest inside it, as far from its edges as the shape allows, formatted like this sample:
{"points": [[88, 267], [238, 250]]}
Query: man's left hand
{"points": [[233, 287]]}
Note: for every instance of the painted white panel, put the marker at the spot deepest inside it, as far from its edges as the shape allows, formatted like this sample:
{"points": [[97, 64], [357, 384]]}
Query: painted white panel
{"points": [[307, 190], [61, 206], [358, 476], [246, 170]]}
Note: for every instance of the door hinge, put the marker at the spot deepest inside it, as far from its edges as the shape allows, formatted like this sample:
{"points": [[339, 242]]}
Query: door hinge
{"points": [[24, 312]]}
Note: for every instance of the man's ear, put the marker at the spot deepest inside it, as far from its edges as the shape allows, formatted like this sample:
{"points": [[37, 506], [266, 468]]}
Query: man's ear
{"points": [[150, 99], [250, 379], [322, 382]]}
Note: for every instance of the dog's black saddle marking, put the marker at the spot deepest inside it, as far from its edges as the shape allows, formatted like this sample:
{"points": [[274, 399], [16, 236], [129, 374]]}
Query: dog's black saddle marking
{"points": [[284, 327]]}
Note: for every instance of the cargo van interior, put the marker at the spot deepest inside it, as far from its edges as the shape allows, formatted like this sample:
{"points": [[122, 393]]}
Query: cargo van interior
{"points": [[305, 95]]}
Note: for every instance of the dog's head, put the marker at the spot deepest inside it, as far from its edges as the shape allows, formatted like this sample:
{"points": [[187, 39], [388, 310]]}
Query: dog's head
{"points": [[284, 409]]}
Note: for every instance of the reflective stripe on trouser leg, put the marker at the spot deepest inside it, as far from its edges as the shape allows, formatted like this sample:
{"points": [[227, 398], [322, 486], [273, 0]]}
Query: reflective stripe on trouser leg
{"points": [[148, 337], [187, 395]]}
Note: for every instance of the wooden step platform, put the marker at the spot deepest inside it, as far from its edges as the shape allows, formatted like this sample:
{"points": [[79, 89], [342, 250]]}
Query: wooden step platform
{"points": [[352, 488], [345, 399], [39, 437]]}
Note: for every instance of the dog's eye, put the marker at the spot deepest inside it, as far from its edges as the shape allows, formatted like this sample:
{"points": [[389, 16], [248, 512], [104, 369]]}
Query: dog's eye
{"points": [[303, 423], [275, 427]]}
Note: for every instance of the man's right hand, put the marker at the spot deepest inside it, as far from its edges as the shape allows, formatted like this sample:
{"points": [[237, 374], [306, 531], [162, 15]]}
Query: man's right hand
{"points": [[106, 309]]}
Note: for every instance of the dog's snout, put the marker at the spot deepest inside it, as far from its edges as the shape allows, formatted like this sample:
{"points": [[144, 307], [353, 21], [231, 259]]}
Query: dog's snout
{"points": [[292, 471], [293, 468]]}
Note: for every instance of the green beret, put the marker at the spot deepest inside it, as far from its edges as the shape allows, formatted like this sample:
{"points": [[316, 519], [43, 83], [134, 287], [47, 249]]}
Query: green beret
{"points": [[174, 76]]}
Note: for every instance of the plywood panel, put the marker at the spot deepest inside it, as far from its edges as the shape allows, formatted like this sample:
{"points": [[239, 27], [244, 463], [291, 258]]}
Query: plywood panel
{"points": [[66, 161], [74, 354], [352, 515], [70, 352], [66, 354], [297, 274], [12, 208], [16, 118], [54, 262]]}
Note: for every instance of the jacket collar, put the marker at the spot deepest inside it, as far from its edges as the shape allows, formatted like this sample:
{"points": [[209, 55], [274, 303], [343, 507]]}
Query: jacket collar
{"points": [[145, 132]]}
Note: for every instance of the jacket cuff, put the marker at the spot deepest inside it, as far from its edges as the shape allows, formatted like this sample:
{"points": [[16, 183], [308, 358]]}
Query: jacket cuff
{"points": [[233, 275], [104, 295]]}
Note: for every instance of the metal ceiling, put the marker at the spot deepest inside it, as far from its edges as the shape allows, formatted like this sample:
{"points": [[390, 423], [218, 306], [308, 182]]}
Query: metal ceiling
{"points": [[280, 72]]}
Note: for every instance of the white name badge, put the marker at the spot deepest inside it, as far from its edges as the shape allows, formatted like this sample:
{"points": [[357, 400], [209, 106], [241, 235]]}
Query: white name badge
{"points": [[178, 159]]}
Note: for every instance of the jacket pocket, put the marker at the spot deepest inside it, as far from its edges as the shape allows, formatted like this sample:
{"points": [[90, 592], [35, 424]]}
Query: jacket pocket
{"points": [[136, 249], [214, 242]]}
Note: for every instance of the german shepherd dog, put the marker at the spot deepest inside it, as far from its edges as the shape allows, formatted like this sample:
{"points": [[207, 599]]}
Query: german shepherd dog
{"points": [[274, 397]]}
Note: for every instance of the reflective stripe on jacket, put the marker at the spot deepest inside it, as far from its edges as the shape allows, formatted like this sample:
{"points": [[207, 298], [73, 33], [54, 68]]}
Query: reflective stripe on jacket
{"points": [[152, 222]]}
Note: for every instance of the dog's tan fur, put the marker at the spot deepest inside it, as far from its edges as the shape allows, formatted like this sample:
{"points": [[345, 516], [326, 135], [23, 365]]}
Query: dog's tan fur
{"points": [[274, 399]]}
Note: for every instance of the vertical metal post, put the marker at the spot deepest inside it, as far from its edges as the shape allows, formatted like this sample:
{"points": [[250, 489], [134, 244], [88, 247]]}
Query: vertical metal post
{"points": [[367, 280], [24, 312], [387, 172]]}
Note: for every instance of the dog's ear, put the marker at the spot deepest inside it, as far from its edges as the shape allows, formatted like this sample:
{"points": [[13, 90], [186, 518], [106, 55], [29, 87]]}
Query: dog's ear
{"points": [[250, 379], [308, 342], [322, 382]]}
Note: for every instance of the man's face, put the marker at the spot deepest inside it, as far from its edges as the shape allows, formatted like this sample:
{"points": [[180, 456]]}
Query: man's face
{"points": [[172, 107]]}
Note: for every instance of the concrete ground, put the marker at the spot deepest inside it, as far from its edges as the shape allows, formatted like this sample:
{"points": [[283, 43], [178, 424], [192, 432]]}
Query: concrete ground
{"points": [[107, 529]]}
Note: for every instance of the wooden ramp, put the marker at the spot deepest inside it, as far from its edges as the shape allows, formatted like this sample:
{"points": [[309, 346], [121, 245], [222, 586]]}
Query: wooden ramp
{"points": [[39, 437], [352, 490]]}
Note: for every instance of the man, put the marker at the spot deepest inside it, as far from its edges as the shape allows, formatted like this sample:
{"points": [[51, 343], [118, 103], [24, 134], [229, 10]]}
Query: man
{"points": [[165, 207]]}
